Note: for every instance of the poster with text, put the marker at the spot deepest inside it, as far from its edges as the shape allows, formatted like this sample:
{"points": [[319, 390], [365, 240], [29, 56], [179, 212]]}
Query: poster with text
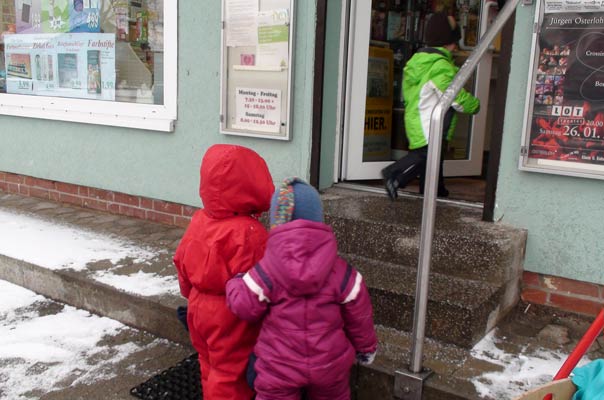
{"points": [[84, 16], [273, 38], [567, 123], [55, 15], [28, 16], [258, 109], [78, 65], [241, 22]]}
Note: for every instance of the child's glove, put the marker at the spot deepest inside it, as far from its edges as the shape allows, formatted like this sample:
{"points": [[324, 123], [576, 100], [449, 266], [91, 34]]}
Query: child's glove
{"points": [[366, 358]]}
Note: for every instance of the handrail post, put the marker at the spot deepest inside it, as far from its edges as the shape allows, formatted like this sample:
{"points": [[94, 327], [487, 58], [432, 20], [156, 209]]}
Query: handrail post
{"points": [[430, 190]]}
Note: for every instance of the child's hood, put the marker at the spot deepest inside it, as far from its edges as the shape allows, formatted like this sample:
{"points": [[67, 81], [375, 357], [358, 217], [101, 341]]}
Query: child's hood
{"points": [[300, 255], [234, 181]]}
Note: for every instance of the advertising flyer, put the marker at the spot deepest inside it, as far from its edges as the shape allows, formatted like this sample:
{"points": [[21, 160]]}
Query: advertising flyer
{"points": [[273, 38], [378, 106], [84, 16], [241, 26], [28, 16], [258, 109], [65, 65], [55, 16], [567, 123]]}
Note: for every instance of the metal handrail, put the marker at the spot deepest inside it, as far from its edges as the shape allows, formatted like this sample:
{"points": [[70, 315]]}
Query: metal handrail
{"points": [[432, 167]]}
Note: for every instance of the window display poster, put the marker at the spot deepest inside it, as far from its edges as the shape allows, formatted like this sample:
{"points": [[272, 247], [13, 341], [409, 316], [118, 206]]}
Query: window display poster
{"points": [[58, 16], [69, 65], [55, 16], [28, 16], [258, 109], [567, 122], [378, 107], [241, 25], [273, 38], [84, 16]]}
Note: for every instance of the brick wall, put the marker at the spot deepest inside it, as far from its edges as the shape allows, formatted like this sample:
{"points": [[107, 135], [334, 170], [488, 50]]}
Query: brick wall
{"points": [[98, 199], [566, 294]]}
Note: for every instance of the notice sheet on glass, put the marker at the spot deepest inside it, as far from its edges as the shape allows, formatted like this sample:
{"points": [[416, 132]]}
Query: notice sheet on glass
{"points": [[564, 121], [66, 65], [256, 79]]}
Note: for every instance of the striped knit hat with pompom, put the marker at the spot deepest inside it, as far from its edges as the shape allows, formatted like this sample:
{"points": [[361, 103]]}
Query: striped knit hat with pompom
{"points": [[295, 199]]}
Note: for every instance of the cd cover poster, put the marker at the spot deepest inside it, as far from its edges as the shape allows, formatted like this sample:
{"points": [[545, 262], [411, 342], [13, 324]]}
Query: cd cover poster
{"points": [[567, 120]]}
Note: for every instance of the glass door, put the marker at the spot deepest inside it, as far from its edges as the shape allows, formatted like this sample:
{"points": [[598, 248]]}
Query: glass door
{"points": [[384, 34]]}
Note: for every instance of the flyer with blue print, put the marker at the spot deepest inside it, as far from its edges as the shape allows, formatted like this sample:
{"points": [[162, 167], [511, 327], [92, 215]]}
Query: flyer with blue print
{"points": [[78, 65], [84, 16]]}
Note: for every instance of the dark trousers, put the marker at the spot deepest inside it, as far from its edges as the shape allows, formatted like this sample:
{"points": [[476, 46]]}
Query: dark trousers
{"points": [[412, 166]]}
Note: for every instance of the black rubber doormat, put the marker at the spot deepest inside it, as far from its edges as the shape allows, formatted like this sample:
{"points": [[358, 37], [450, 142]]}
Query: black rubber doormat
{"points": [[180, 382]]}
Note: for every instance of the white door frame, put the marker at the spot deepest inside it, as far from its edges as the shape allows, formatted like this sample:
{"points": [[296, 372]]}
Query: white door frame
{"points": [[355, 70]]}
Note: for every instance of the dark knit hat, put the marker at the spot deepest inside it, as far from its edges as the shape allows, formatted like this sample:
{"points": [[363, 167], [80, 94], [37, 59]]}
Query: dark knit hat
{"points": [[439, 31], [295, 199]]}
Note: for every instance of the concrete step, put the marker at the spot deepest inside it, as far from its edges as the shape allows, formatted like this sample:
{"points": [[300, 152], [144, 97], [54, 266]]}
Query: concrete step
{"points": [[460, 311], [372, 226], [391, 283]]}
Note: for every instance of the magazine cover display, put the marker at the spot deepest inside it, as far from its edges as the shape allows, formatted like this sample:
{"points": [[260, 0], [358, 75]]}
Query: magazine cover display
{"points": [[567, 123], [78, 65], [88, 49]]}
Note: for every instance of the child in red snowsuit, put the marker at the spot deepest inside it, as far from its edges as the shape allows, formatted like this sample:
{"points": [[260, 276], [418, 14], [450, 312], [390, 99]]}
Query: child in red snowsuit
{"points": [[223, 239]]}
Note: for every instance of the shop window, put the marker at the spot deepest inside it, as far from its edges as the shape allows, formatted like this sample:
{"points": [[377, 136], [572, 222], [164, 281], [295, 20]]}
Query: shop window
{"points": [[108, 62]]}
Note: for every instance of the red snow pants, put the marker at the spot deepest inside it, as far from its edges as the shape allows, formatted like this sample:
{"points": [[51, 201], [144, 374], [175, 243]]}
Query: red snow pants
{"points": [[224, 343]]}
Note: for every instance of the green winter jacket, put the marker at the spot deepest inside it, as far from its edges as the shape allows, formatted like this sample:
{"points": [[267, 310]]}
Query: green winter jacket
{"points": [[425, 78]]}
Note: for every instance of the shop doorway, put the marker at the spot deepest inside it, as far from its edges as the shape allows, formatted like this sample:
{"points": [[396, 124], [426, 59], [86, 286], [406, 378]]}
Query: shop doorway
{"points": [[383, 35]]}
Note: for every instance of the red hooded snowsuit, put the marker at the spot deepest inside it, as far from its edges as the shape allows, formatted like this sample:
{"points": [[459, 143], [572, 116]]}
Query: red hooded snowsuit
{"points": [[223, 239]]}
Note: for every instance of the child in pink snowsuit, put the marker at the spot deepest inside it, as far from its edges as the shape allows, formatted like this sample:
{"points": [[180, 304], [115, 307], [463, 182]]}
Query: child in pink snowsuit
{"points": [[316, 308]]}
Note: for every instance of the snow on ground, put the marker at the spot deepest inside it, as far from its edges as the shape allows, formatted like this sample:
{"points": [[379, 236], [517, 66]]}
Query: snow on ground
{"points": [[54, 246], [520, 373], [38, 352], [142, 283]]}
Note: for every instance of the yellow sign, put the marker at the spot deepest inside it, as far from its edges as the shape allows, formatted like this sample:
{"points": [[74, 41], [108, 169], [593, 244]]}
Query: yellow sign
{"points": [[378, 106]]}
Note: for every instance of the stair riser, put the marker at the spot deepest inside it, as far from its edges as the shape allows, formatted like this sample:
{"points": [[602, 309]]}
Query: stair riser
{"points": [[445, 322], [461, 254]]}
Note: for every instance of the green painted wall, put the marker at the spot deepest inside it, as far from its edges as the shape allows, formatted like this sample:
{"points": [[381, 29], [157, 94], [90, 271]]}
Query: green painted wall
{"points": [[563, 215], [166, 165], [330, 92]]}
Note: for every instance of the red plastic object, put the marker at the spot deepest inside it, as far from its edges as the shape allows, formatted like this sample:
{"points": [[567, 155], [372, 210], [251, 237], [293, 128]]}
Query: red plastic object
{"points": [[584, 344]]}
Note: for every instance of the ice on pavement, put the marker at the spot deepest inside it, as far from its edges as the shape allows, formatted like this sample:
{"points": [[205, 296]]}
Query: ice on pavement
{"points": [[55, 246], [530, 369], [38, 352]]}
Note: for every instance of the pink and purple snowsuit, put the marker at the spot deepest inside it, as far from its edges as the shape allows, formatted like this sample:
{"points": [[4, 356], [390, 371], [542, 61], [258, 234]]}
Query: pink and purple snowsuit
{"points": [[316, 309]]}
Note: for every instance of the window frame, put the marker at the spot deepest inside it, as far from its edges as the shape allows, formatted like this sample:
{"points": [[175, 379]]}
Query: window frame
{"points": [[154, 117]]}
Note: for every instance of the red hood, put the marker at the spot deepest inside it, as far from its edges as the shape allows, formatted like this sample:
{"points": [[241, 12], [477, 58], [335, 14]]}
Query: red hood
{"points": [[234, 181]]}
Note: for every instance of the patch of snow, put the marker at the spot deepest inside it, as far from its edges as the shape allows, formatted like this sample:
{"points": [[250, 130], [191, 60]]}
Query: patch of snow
{"points": [[17, 299], [55, 246], [38, 352], [141, 283], [520, 372]]}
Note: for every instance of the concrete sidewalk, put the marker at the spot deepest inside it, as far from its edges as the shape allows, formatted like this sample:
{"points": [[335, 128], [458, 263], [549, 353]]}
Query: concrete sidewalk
{"points": [[100, 285], [51, 351]]}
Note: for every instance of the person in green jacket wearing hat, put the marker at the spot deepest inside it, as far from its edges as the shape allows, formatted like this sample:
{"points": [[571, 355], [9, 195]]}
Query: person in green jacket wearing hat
{"points": [[425, 77]]}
